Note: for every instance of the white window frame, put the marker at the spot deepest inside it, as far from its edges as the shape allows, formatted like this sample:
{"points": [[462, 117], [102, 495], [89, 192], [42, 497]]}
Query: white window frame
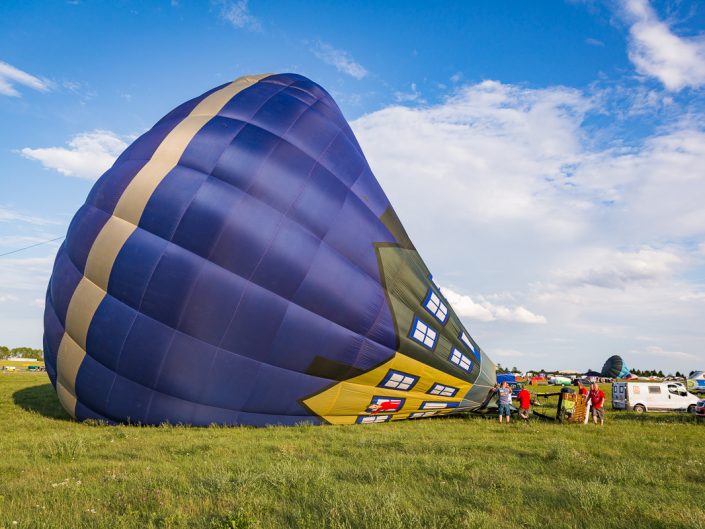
{"points": [[398, 380], [434, 405], [436, 307], [371, 419], [459, 359], [421, 414], [465, 338], [442, 390], [423, 333]]}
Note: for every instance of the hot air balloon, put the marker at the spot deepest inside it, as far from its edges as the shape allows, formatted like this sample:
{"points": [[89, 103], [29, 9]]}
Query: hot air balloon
{"points": [[240, 264], [615, 368]]}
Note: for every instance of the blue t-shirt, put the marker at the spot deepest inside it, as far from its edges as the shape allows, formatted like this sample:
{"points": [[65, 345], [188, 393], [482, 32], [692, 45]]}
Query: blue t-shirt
{"points": [[505, 395]]}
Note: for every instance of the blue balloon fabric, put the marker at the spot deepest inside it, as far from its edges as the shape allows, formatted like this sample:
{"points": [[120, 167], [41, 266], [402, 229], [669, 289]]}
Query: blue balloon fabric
{"points": [[240, 264]]}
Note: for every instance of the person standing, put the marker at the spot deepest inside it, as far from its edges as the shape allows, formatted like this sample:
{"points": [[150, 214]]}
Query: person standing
{"points": [[597, 399], [504, 401], [582, 390], [524, 403]]}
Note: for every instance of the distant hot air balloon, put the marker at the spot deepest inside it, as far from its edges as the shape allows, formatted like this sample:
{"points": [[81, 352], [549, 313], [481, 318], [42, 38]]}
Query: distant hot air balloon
{"points": [[240, 264], [615, 368]]}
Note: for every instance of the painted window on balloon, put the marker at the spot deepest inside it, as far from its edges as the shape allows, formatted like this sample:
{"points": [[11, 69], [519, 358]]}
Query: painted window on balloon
{"points": [[371, 419], [398, 380], [435, 306], [443, 391], [460, 360], [420, 414], [466, 340], [423, 333], [430, 405]]}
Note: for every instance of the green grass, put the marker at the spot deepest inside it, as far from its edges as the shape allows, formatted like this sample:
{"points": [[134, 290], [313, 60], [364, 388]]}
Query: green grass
{"points": [[637, 471], [21, 364]]}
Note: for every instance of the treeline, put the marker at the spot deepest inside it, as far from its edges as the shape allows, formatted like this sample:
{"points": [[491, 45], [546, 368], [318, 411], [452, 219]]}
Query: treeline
{"points": [[637, 372], [654, 373], [24, 352]]}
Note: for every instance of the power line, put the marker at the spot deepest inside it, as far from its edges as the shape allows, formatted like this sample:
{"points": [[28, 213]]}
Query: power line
{"points": [[32, 246]]}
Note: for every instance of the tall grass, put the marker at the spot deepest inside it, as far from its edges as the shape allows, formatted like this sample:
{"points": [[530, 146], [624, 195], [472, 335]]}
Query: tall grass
{"points": [[444, 473]]}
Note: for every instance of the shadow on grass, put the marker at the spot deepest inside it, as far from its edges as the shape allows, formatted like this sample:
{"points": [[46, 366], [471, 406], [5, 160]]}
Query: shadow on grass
{"points": [[42, 400]]}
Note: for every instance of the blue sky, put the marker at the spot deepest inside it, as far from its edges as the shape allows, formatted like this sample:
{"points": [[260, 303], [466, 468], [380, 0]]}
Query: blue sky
{"points": [[547, 158]]}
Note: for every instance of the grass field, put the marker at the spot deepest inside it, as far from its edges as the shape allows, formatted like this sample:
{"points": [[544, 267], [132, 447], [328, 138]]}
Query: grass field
{"points": [[22, 364], [637, 471]]}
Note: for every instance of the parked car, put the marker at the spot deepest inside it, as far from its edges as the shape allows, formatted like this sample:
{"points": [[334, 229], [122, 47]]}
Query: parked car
{"points": [[700, 409], [652, 396]]}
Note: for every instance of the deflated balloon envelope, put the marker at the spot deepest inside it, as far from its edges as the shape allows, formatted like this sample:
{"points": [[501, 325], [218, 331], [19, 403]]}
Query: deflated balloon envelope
{"points": [[240, 264]]}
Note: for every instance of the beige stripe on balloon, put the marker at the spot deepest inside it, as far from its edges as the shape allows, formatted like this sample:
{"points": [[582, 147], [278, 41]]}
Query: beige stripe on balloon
{"points": [[92, 288]]}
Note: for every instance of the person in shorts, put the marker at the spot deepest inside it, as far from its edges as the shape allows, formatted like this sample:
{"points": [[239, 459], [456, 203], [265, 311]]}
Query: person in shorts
{"points": [[504, 402], [597, 400], [524, 403]]}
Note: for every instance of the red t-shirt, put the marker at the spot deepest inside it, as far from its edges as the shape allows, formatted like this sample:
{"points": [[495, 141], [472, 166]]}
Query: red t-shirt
{"points": [[597, 398], [583, 391], [524, 399]]}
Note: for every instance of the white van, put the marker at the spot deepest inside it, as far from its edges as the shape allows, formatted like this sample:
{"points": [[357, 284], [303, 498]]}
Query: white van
{"points": [[652, 396]]}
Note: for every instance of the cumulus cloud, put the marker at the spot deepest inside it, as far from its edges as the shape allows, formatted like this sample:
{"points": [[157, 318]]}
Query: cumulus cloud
{"points": [[656, 51], [596, 240], [238, 14], [340, 59], [11, 76], [88, 155], [609, 269], [482, 310]]}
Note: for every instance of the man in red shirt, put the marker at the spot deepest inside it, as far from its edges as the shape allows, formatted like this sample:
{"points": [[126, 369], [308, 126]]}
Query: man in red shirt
{"points": [[597, 399], [524, 403], [581, 389]]}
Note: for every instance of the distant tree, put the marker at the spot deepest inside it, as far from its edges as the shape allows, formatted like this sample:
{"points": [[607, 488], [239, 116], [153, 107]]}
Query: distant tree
{"points": [[660, 373], [679, 374], [27, 352], [515, 369], [4, 351]]}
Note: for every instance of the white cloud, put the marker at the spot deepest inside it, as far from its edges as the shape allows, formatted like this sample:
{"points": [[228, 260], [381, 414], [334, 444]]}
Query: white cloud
{"points": [[508, 353], [656, 51], [660, 352], [594, 42], [238, 14], [88, 155], [504, 189], [483, 310], [23, 281], [11, 215], [342, 60], [407, 97], [10, 76], [609, 269]]}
